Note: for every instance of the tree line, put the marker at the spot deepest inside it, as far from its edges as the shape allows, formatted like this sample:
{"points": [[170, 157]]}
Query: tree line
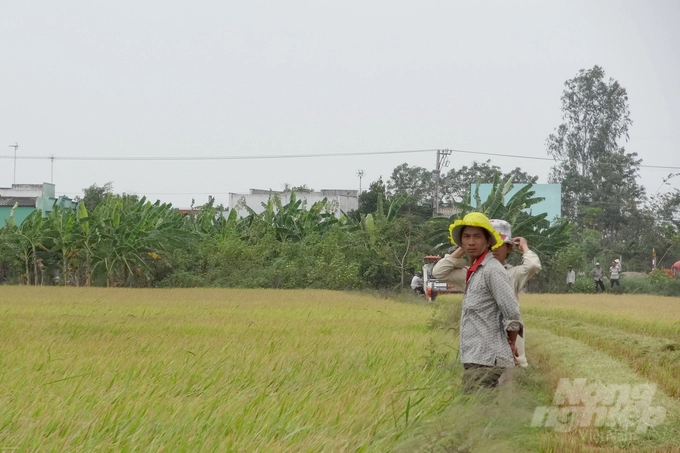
{"points": [[123, 240]]}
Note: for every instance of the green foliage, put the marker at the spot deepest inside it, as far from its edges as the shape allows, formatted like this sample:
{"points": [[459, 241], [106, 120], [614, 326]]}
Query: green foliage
{"points": [[553, 276], [657, 283], [658, 277], [94, 195], [368, 199], [599, 188], [414, 182], [299, 189], [455, 185], [543, 237], [127, 241], [119, 243], [583, 284]]}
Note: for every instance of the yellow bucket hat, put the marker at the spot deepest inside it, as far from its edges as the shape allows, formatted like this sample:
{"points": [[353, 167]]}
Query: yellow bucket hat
{"points": [[474, 219]]}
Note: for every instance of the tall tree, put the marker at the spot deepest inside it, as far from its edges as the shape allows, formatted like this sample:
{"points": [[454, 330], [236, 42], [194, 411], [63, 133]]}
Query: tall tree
{"points": [[368, 200], [415, 182], [598, 177], [95, 194]]}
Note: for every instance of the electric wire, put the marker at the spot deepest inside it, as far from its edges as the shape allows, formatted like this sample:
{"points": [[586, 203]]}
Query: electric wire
{"points": [[292, 156]]}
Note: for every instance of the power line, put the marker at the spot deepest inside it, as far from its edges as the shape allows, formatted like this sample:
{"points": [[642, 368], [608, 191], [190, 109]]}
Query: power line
{"points": [[293, 156], [251, 157]]}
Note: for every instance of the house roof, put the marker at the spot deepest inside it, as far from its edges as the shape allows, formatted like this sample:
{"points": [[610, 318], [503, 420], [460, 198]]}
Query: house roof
{"points": [[28, 202]]}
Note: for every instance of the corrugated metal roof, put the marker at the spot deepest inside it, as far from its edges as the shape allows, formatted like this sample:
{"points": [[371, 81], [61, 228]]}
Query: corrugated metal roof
{"points": [[27, 202]]}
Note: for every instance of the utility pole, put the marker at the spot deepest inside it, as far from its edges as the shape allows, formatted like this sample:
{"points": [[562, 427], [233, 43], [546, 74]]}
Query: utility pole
{"points": [[442, 161], [15, 146], [360, 174], [52, 169]]}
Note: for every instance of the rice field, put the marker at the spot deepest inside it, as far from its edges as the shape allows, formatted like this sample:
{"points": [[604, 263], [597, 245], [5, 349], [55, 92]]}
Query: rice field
{"points": [[210, 370], [99, 370]]}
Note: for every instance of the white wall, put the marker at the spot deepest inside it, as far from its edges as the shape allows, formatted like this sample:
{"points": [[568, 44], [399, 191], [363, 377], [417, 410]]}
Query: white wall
{"points": [[254, 201], [22, 190]]}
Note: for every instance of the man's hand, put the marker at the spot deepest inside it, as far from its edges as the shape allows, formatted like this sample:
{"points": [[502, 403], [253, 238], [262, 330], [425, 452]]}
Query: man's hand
{"points": [[521, 244], [512, 338], [515, 352], [458, 253]]}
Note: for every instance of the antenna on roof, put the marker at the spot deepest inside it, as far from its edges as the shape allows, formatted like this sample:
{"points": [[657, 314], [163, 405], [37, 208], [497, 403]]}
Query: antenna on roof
{"points": [[360, 174], [15, 146]]}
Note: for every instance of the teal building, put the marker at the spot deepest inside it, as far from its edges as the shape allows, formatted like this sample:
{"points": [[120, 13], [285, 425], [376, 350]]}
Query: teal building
{"points": [[27, 198], [551, 205]]}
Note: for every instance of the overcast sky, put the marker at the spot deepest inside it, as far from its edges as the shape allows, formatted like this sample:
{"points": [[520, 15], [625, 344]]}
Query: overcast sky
{"points": [[254, 78]]}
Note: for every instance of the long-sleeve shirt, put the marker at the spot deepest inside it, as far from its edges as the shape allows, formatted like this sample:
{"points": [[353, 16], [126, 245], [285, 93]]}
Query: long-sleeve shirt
{"points": [[453, 270], [614, 271], [571, 277], [490, 308], [597, 273]]}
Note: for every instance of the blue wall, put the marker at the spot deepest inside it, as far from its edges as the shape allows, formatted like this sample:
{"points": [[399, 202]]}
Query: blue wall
{"points": [[552, 205]]}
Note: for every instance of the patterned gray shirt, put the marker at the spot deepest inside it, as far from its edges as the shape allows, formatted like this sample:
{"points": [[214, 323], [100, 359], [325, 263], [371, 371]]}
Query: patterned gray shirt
{"points": [[490, 308]]}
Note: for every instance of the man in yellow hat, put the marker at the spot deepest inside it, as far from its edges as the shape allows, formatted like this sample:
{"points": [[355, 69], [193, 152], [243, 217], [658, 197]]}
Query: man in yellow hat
{"points": [[453, 267], [490, 322]]}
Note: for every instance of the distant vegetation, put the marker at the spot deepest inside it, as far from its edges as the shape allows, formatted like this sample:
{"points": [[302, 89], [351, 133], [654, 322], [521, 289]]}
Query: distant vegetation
{"points": [[122, 240]]}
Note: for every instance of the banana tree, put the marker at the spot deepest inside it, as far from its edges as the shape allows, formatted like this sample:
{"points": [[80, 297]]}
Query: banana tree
{"points": [[291, 221], [132, 234], [545, 238], [64, 232], [26, 240]]}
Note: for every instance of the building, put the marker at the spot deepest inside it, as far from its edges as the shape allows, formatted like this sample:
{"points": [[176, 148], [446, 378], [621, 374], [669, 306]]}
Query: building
{"points": [[448, 211], [341, 200], [27, 198], [551, 205]]}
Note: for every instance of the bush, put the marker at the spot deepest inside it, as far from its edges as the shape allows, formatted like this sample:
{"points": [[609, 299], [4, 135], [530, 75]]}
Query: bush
{"points": [[182, 279], [658, 277], [584, 285]]}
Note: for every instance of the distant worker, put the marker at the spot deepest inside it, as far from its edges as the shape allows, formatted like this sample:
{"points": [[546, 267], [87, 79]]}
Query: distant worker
{"points": [[614, 273], [598, 273], [417, 284], [571, 278]]}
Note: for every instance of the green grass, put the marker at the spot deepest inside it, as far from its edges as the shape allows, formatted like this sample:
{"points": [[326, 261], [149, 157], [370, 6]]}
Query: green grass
{"points": [[560, 357], [606, 338]]}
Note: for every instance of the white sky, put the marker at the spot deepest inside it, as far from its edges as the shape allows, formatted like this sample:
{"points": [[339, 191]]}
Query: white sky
{"points": [[227, 78]]}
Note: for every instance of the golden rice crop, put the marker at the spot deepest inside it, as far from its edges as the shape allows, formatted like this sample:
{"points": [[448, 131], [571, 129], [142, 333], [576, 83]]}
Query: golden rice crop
{"points": [[87, 369], [84, 369]]}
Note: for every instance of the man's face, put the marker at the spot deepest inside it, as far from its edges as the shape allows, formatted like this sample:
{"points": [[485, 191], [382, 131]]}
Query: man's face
{"points": [[502, 252], [474, 242]]}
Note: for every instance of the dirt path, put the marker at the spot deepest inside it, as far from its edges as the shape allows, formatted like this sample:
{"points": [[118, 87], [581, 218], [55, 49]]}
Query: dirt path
{"points": [[562, 357]]}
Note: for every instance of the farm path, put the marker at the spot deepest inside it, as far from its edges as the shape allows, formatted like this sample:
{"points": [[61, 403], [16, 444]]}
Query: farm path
{"points": [[560, 353], [653, 352]]}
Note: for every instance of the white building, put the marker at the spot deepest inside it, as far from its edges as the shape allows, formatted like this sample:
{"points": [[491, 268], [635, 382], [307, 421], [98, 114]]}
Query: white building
{"points": [[26, 190], [340, 200]]}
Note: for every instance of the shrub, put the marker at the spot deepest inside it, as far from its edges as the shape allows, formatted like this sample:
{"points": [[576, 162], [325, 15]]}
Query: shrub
{"points": [[584, 285]]}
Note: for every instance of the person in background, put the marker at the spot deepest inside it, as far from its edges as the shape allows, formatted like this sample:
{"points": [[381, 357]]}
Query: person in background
{"points": [[571, 278], [614, 272], [490, 321], [597, 273], [417, 284]]}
